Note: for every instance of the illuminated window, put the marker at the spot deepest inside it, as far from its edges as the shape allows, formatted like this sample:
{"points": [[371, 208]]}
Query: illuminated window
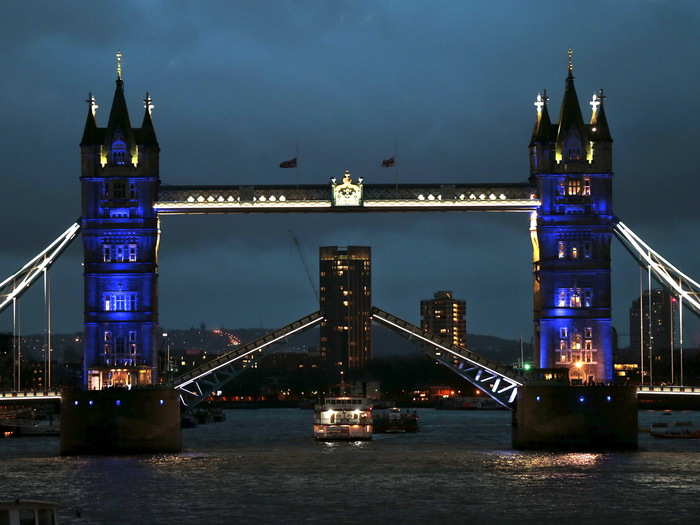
{"points": [[575, 299], [562, 188], [119, 301], [563, 332], [132, 253], [118, 154], [561, 301], [588, 332], [561, 251], [106, 253], [588, 344], [573, 187], [576, 342], [586, 186], [574, 252], [588, 299], [562, 344]]}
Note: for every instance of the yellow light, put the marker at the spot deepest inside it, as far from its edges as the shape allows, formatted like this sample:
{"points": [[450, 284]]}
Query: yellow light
{"points": [[578, 364]]}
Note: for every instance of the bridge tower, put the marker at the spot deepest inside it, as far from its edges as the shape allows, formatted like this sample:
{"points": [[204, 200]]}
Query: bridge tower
{"points": [[119, 180], [571, 164]]}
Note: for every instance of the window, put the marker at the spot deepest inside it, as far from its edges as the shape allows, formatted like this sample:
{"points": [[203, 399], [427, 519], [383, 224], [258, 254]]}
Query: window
{"points": [[132, 253], [586, 187], [118, 154], [120, 345], [562, 188], [119, 190], [562, 344], [119, 301], [561, 249], [563, 332], [587, 249], [132, 336], [573, 187], [574, 252], [108, 335], [588, 332], [588, 344], [574, 297], [106, 253], [119, 252], [132, 191], [561, 301]]}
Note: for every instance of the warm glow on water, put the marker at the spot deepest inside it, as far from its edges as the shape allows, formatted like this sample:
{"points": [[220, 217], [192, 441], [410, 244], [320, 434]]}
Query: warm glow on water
{"points": [[261, 466]]}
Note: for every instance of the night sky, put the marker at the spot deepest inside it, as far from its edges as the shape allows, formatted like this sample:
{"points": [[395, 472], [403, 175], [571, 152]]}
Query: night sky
{"points": [[446, 86]]}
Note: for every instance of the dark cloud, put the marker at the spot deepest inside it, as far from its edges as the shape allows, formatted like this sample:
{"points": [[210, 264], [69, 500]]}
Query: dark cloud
{"points": [[449, 85]]}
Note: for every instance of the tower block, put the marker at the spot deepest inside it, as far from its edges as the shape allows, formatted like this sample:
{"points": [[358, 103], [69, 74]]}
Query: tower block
{"points": [[571, 164], [119, 180]]}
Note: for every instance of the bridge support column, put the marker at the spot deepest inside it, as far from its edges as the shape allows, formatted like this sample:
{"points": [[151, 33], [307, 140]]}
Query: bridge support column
{"points": [[584, 418]]}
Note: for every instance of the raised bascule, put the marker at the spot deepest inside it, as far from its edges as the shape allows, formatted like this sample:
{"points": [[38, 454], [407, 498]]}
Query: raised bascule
{"points": [[567, 198]]}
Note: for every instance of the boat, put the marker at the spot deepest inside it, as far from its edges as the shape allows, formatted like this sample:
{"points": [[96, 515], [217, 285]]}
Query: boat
{"points": [[21, 511], [394, 420], [680, 430], [343, 418]]}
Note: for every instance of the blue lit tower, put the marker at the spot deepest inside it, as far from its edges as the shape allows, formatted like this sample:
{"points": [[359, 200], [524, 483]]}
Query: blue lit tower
{"points": [[571, 164], [119, 180]]}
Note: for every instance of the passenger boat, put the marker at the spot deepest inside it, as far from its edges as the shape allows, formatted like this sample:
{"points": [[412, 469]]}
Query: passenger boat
{"points": [[394, 420], [343, 418], [21, 511]]}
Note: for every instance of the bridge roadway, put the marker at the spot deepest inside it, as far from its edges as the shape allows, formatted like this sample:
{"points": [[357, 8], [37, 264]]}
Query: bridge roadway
{"points": [[516, 197]]}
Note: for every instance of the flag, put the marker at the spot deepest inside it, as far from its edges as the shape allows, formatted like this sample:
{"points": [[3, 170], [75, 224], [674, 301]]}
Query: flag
{"points": [[291, 163], [389, 163]]}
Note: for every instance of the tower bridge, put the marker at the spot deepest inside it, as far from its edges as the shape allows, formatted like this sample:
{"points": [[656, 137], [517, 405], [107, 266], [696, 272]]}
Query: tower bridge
{"points": [[567, 196]]}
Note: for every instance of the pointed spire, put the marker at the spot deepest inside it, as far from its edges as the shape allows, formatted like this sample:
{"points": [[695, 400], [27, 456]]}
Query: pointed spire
{"points": [[91, 134], [599, 122], [147, 133], [119, 114], [570, 120], [542, 132]]}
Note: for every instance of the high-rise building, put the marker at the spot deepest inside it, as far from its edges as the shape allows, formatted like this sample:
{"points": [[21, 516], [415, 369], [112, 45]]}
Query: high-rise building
{"points": [[444, 316], [346, 302], [663, 308], [571, 164], [119, 183]]}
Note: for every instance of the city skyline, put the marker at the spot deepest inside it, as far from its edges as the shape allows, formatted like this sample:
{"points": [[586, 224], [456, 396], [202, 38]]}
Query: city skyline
{"points": [[351, 118]]}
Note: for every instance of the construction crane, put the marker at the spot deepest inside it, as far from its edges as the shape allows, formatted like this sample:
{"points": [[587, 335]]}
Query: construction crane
{"points": [[306, 266]]}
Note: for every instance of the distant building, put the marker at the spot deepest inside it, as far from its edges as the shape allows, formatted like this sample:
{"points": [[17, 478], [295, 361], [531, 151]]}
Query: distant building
{"points": [[346, 301], [663, 308], [444, 316]]}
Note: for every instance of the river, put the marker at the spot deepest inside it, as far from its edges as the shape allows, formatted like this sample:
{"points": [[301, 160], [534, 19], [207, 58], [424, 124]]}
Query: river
{"points": [[261, 466]]}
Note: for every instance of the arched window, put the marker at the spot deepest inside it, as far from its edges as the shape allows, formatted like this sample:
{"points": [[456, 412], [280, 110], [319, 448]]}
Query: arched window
{"points": [[118, 153]]}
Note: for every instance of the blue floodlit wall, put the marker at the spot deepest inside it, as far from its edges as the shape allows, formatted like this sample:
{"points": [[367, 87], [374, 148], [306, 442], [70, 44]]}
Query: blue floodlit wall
{"points": [[120, 240], [571, 266]]}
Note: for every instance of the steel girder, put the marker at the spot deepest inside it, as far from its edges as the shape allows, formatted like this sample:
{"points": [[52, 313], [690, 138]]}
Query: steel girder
{"points": [[198, 384], [498, 382]]}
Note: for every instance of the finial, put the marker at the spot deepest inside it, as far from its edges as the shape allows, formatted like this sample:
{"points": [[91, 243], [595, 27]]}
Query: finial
{"points": [[570, 54], [148, 103], [595, 102], [92, 104], [541, 100], [118, 55]]}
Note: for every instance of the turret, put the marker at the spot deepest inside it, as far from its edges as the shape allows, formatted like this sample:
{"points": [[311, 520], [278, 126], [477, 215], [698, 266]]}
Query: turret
{"points": [[599, 134], [542, 141]]}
